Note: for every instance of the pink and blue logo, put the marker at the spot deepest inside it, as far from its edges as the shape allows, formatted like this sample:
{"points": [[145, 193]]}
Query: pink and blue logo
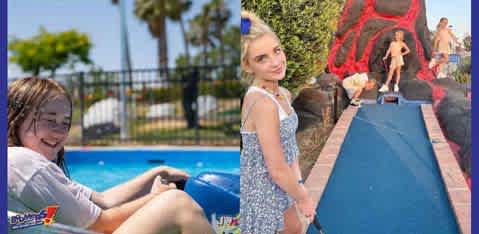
{"points": [[43, 217]]}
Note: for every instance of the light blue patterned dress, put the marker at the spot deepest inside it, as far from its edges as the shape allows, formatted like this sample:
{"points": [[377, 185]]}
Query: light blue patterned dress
{"points": [[262, 201]]}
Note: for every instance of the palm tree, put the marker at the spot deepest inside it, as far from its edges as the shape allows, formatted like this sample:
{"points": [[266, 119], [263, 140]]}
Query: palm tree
{"points": [[182, 6], [199, 34], [125, 47], [220, 15]]}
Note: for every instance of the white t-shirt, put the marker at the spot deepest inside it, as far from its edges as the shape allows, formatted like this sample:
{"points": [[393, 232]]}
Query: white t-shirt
{"points": [[35, 183], [355, 82]]}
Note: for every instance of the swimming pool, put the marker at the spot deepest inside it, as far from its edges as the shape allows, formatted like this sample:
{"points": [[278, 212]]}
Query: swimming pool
{"points": [[102, 168], [386, 178]]}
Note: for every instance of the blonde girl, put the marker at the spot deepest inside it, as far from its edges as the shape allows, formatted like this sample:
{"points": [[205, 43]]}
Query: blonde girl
{"points": [[272, 191], [396, 51]]}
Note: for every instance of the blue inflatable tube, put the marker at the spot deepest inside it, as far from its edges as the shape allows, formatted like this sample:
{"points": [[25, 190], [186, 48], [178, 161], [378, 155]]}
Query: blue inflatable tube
{"points": [[219, 196]]}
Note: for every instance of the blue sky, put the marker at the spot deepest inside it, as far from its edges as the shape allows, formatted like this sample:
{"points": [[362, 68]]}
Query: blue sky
{"points": [[100, 20], [457, 11]]}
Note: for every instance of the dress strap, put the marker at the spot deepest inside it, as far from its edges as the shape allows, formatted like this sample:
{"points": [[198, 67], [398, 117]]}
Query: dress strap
{"points": [[281, 111], [249, 110]]}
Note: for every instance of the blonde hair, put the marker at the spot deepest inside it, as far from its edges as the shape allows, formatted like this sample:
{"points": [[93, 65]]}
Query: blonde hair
{"points": [[400, 32], [257, 29]]}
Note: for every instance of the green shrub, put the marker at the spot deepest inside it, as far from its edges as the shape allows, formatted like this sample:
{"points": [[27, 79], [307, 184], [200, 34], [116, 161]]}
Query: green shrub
{"points": [[221, 88], [463, 72], [228, 88], [466, 65], [305, 28], [162, 94]]}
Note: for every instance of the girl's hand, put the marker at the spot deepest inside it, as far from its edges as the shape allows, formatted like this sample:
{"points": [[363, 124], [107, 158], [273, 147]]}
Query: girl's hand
{"points": [[385, 57], [172, 174], [161, 185], [306, 207]]}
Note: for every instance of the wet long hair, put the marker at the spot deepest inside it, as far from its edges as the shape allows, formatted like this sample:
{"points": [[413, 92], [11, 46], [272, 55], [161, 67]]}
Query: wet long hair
{"points": [[27, 96]]}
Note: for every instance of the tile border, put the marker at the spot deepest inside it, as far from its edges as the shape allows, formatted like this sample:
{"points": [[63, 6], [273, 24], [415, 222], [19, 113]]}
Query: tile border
{"points": [[323, 167], [456, 187]]}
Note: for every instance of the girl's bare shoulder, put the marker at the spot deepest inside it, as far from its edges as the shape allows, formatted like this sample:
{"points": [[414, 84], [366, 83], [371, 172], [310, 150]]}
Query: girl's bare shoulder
{"points": [[259, 102]]}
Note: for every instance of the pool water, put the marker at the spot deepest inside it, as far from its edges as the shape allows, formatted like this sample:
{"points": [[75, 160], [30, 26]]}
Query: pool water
{"points": [[102, 169]]}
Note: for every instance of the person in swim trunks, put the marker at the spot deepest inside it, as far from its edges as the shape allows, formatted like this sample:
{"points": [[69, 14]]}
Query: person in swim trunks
{"points": [[441, 45]]}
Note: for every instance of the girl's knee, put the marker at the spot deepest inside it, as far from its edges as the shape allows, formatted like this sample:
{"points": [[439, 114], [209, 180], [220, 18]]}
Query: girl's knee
{"points": [[294, 229], [180, 200]]}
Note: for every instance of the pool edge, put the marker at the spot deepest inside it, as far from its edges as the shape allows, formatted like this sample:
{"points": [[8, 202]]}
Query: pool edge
{"points": [[457, 190], [154, 147], [323, 167]]}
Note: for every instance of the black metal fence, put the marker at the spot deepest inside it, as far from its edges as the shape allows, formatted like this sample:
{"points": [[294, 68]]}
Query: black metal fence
{"points": [[181, 106]]}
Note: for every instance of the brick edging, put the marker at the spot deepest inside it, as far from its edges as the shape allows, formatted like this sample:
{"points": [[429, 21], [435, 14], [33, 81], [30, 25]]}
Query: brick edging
{"points": [[323, 167], [457, 190]]}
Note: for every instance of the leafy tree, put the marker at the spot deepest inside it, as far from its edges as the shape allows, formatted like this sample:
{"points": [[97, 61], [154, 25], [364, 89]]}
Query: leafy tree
{"points": [[155, 13], [231, 41], [207, 29], [219, 15], [305, 28], [48, 51], [199, 34], [182, 7]]}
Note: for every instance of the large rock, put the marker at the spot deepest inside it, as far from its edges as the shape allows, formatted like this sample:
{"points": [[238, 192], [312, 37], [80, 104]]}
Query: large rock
{"points": [[451, 86], [422, 32], [327, 82], [392, 7], [161, 110], [369, 29], [343, 51], [416, 90], [454, 114], [354, 12], [313, 106], [371, 20]]}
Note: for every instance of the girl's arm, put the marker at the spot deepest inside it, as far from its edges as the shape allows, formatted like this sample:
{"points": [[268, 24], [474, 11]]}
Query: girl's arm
{"points": [[266, 122], [407, 49], [135, 188], [388, 52], [297, 170], [295, 165]]}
